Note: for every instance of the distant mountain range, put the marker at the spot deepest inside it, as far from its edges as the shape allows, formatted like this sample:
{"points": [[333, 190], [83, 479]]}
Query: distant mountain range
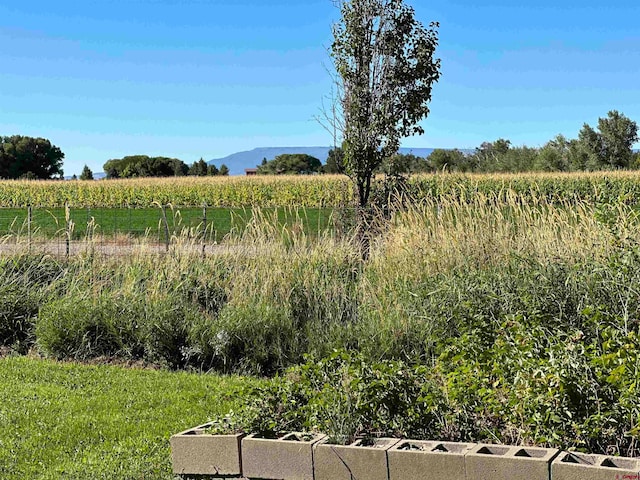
{"points": [[237, 162]]}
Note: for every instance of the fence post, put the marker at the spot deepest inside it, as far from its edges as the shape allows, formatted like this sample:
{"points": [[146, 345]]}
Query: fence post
{"points": [[115, 221], [89, 235], [67, 229], [204, 229], [29, 220], [166, 226]]}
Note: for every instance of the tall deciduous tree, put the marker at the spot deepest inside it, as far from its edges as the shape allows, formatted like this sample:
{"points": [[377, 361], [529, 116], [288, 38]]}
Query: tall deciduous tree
{"points": [[618, 134], [386, 67], [291, 164], [28, 157], [554, 156], [441, 160], [610, 146], [145, 166]]}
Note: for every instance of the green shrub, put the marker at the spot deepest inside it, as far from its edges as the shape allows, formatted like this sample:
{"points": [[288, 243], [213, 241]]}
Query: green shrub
{"points": [[258, 338], [164, 331], [83, 328], [550, 387], [533, 386], [24, 284], [156, 330], [18, 308], [346, 396]]}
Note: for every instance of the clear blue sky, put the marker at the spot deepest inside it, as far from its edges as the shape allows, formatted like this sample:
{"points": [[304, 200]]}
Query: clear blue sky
{"points": [[206, 78]]}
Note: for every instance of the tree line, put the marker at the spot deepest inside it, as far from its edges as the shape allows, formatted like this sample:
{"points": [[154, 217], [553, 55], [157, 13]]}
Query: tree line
{"points": [[134, 166], [23, 157], [605, 147], [608, 147]]}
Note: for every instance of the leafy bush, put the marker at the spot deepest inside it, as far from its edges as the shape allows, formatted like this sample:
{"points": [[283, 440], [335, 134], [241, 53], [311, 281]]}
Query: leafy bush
{"points": [[165, 326], [25, 281], [532, 386], [156, 330], [83, 328], [18, 308], [255, 338], [346, 396], [546, 387]]}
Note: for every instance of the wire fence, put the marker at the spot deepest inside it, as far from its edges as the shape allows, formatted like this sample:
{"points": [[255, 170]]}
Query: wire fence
{"points": [[68, 230]]}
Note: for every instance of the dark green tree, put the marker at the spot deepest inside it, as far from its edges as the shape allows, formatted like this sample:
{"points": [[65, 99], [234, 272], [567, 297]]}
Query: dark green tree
{"points": [[385, 64], [145, 166], [554, 156], [590, 149], [402, 164], [488, 155], [28, 157], [224, 170], [86, 174], [578, 156], [291, 164], [212, 170], [518, 159], [179, 167], [441, 160], [199, 168], [610, 147], [335, 161], [618, 134]]}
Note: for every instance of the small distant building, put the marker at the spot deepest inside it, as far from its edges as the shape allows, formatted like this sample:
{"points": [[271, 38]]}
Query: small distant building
{"points": [[250, 171]]}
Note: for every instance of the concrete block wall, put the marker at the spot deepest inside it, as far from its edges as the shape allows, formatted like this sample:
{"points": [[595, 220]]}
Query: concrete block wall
{"points": [[298, 456]]}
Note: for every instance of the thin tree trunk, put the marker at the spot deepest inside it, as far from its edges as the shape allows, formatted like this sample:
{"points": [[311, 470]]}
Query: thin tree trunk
{"points": [[364, 218]]}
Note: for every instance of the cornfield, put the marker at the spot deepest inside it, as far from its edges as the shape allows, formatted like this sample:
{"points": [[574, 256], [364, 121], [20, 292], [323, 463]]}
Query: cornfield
{"points": [[183, 191], [317, 191]]}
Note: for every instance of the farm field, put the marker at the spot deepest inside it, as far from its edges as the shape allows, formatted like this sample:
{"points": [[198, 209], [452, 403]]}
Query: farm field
{"points": [[120, 209], [521, 303], [64, 420], [228, 192], [319, 191]]}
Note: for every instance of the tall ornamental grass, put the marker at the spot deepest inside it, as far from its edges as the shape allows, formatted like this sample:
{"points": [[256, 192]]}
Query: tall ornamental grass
{"points": [[271, 294]]}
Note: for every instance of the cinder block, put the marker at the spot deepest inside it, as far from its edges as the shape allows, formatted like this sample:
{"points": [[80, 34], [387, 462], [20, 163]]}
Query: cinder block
{"points": [[580, 466], [287, 457], [427, 460], [501, 462], [359, 460], [195, 452]]}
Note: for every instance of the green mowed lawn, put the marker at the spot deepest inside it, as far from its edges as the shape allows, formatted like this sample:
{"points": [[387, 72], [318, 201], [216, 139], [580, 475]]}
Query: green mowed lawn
{"points": [[70, 421], [138, 222]]}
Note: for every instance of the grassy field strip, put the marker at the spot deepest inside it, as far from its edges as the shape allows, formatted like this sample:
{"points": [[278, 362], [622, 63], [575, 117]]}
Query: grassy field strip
{"points": [[140, 222], [70, 421]]}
